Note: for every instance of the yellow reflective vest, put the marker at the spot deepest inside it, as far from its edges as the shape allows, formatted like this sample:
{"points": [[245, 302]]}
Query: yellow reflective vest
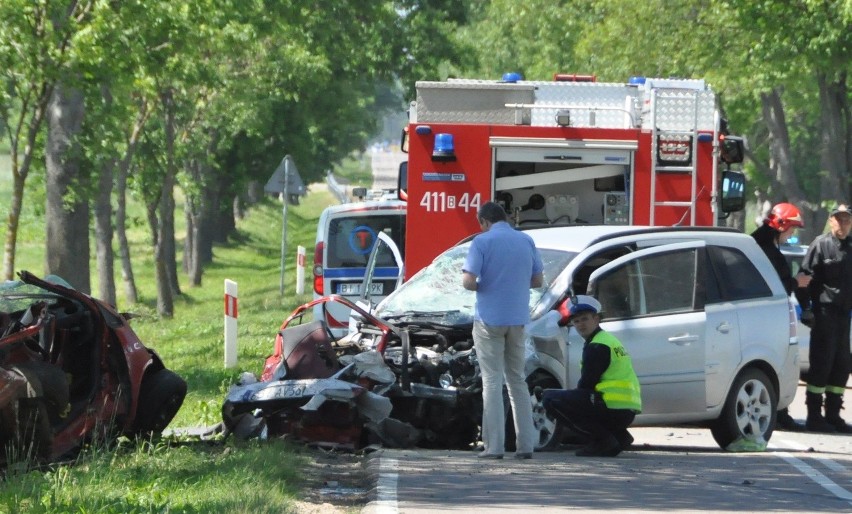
{"points": [[619, 385]]}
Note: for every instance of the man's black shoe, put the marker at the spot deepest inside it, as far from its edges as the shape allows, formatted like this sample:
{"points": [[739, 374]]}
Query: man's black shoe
{"points": [[784, 421], [607, 447], [624, 439]]}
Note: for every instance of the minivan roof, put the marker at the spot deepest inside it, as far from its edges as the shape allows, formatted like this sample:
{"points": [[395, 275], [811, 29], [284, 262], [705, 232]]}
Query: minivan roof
{"points": [[365, 206], [582, 236]]}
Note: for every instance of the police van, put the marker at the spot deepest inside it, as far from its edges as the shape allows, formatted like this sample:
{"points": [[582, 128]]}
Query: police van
{"points": [[346, 235]]}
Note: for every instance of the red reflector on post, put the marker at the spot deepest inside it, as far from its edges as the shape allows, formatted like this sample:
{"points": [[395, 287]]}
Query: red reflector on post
{"points": [[230, 306]]}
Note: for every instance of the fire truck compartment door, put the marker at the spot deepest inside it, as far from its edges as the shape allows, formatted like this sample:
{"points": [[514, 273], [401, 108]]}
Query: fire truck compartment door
{"points": [[584, 160]]}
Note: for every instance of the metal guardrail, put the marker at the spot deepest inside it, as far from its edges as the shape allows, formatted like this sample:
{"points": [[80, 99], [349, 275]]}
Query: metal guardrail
{"points": [[339, 191]]}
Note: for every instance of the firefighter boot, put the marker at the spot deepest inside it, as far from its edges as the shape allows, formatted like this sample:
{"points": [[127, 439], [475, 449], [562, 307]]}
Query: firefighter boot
{"points": [[833, 404], [815, 421]]}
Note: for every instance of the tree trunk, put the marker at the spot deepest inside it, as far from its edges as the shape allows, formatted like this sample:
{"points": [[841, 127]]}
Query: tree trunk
{"points": [[20, 171], [189, 240], [785, 185], [165, 302], [781, 171], [166, 231], [195, 267], [201, 215], [121, 204], [67, 212], [103, 234], [130, 293], [834, 158]]}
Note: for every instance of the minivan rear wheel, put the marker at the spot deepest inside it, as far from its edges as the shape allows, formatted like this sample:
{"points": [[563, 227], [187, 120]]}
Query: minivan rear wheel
{"points": [[549, 430], [749, 412]]}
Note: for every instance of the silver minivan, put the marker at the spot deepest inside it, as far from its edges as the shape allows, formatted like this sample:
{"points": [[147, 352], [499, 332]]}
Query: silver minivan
{"points": [[708, 324]]}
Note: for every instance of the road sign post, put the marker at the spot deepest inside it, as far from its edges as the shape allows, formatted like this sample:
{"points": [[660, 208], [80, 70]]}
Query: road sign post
{"points": [[285, 182]]}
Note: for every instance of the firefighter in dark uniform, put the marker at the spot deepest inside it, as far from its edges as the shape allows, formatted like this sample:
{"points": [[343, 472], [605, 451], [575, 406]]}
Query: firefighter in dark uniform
{"points": [[829, 263], [607, 396], [779, 225]]}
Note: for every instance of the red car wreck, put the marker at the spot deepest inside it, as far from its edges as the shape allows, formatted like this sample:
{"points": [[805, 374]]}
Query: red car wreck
{"points": [[71, 371]]}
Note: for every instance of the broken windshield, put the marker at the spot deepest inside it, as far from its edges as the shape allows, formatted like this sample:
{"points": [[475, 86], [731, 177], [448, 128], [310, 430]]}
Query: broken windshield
{"points": [[438, 288]]}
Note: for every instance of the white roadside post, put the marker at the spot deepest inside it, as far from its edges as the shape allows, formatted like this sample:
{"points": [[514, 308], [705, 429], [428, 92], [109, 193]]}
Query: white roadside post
{"points": [[300, 270], [230, 323]]}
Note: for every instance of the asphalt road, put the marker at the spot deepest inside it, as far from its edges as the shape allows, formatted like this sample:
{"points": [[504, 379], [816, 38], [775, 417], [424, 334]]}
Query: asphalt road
{"points": [[385, 166], [671, 470]]}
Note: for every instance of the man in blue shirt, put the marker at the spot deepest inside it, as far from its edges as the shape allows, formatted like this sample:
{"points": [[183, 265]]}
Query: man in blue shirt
{"points": [[501, 266]]}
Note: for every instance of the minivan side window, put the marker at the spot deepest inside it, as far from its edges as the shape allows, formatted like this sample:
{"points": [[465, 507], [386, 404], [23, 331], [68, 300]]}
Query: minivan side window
{"points": [[656, 284], [733, 276]]}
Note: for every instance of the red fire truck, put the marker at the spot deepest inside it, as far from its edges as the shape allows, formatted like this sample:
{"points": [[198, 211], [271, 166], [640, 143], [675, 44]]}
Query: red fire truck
{"points": [[570, 151]]}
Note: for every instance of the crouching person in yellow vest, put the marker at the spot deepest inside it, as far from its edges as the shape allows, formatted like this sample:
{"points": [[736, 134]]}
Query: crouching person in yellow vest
{"points": [[607, 397]]}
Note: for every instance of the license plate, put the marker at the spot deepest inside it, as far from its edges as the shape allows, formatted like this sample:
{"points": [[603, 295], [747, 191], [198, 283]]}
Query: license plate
{"points": [[354, 289]]}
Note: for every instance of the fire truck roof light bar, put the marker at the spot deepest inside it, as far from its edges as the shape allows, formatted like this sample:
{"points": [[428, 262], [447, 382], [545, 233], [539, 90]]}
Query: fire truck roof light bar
{"points": [[574, 77], [575, 107]]}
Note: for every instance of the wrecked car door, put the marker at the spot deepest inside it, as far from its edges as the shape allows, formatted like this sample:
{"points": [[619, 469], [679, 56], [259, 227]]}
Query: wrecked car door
{"points": [[384, 258]]}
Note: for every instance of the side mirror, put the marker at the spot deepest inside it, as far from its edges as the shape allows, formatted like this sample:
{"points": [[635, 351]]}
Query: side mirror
{"points": [[733, 191], [733, 149], [402, 181], [403, 140]]}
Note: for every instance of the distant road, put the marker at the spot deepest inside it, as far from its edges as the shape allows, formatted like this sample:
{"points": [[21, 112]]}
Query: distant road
{"points": [[385, 166]]}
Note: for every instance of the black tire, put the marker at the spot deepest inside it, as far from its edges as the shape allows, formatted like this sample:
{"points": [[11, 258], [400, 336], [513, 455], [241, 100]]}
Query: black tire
{"points": [[550, 430], [749, 411], [160, 398]]}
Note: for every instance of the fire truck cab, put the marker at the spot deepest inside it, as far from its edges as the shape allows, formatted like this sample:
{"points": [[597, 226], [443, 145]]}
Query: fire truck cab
{"points": [[572, 151]]}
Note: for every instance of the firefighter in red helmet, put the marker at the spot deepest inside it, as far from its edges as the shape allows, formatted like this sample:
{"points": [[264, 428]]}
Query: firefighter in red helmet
{"points": [[778, 226]]}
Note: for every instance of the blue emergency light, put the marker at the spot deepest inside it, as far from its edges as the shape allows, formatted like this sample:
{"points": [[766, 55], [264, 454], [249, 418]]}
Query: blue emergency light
{"points": [[444, 149], [512, 77]]}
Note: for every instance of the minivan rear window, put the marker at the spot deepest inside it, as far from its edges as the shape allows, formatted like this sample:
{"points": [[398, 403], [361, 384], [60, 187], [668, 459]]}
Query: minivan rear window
{"points": [[350, 239], [736, 277]]}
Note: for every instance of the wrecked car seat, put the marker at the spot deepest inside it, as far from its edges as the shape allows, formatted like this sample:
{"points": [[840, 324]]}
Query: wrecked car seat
{"points": [[302, 351]]}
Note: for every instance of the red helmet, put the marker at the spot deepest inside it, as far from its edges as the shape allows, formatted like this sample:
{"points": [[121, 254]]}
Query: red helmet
{"points": [[784, 216]]}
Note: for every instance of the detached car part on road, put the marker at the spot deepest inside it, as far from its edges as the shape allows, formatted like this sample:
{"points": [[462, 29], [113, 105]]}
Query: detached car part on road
{"points": [[709, 327], [72, 371]]}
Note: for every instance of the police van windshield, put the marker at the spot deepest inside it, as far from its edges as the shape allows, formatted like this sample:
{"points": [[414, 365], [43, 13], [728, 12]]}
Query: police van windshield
{"points": [[351, 239]]}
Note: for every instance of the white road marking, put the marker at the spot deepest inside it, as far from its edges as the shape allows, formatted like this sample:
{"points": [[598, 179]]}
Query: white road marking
{"points": [[386, 493], [825, 461], [812, 473]]}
